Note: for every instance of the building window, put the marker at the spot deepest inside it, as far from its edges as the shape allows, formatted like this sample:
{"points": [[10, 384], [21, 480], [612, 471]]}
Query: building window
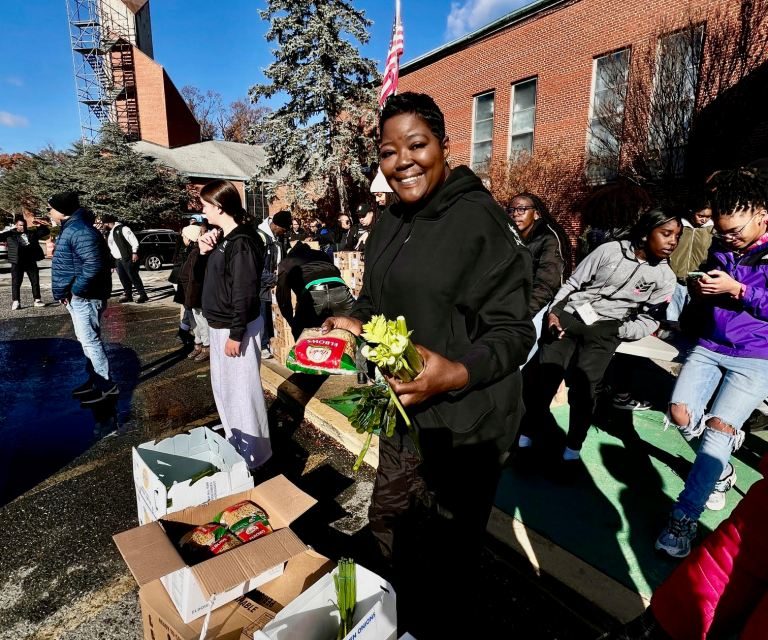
{"points": [[523, 117], [676, 82], [482, 131], [606, 119]]}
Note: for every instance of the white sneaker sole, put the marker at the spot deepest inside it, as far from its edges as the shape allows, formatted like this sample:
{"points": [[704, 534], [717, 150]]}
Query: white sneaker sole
{"points": [[719, 503], [670, 552]]}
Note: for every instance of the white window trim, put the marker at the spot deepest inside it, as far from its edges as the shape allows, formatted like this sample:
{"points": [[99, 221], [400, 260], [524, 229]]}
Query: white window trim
{"points": [[474, 114], [512, 113]]}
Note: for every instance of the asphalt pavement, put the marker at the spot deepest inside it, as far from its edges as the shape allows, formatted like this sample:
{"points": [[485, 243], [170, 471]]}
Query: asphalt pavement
{"points": [[66, 481]]}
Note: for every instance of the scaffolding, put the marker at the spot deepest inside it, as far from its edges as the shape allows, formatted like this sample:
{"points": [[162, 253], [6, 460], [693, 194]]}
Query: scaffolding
{"points": [[102, 35]]}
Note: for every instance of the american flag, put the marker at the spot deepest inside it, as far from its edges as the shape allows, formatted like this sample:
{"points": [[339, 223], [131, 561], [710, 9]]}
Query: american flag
{"points": [[392, 68]]}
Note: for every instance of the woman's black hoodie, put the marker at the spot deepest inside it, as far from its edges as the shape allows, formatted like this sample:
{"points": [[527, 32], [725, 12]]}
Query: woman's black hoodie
{"points": [[459, 274], [544, 245], [233, 280]]}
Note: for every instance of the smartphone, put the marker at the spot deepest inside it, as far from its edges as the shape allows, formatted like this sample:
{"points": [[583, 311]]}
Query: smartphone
{"points": [[695, 275]]}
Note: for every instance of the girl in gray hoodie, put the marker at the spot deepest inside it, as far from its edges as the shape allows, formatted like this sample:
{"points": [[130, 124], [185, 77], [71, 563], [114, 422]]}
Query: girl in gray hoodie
{"points": [[611, 296]]}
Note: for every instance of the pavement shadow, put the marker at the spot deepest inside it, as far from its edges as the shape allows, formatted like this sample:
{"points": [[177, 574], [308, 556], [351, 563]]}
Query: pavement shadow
{"points": [[570, 510], [42, 427], [156, 367], [320, 476], [644, 504], [308, 386]]}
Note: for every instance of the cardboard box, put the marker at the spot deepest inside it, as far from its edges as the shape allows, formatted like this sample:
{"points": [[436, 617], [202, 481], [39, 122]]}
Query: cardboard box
{"points": [[313, 614], [239, 619], [163, 472], [150, 551]]}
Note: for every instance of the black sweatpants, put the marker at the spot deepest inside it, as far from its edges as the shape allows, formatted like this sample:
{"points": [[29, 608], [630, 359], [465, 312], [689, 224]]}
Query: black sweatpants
{"points": [[429, 518], [17, 275], [128, 272], [580, 357]]}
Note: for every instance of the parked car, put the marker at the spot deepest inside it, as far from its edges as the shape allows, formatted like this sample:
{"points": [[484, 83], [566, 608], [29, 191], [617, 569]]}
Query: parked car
{"points": [[156, 247], [3, 243]]}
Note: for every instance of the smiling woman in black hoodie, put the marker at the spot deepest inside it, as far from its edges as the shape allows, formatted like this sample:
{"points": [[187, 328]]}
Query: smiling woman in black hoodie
{"points": [[233, 258], [446, 258]]}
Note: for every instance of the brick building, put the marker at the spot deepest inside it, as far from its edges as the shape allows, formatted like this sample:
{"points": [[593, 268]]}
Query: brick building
{"points": [[530, 79]]}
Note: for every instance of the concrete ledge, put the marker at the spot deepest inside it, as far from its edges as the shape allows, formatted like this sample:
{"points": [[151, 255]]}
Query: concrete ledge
{"points": [[327, 420], [603, 591]]}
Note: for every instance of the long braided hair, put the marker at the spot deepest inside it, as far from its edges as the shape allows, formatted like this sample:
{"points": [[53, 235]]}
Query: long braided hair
{"points": [[543, 210]]}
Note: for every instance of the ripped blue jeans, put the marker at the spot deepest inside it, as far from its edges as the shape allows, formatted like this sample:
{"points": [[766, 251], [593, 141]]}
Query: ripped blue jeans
{"points": [[743, 386]]}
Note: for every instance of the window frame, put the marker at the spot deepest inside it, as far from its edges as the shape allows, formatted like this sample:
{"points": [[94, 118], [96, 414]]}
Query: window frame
{"points": [[475, 98], [513, 87], [604, 179]]}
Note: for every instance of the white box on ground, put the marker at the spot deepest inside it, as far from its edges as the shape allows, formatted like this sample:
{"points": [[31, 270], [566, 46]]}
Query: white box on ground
{"points": [[195, 590], [164, 472], [313, 615]]}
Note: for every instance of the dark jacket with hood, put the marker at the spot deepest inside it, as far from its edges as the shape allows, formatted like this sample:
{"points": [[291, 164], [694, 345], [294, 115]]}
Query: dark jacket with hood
{"points": [[82, 263], [548, 264], [232, 281], [191, 281], [459, 274], [20, 253]]}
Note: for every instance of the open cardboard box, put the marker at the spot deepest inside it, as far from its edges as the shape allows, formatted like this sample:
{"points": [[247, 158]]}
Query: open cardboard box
{"points": [[150, 552], [314, 616], [164, 472], [237, 620]]}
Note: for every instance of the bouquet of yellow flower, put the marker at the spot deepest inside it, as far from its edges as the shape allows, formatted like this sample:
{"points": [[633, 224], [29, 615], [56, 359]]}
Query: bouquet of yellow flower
{"points": [[389, 347]]}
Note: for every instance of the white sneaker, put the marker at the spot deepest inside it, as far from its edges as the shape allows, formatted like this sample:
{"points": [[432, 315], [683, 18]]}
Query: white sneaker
{"points": [[266, 354], [39, 303], [716, 500], [15, 306]]}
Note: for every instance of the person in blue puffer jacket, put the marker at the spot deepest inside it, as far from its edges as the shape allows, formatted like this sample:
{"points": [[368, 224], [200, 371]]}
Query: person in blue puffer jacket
{"points": [[81, 279]]}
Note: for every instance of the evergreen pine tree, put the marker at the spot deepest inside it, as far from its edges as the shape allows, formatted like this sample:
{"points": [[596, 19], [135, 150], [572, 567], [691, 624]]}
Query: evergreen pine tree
{"points": [[323, 135]]}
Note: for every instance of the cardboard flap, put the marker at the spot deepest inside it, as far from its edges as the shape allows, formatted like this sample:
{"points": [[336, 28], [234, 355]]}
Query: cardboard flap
{"points": [[148, 552], [279, 497], [239, 565], [283, 500], [301, 572]]}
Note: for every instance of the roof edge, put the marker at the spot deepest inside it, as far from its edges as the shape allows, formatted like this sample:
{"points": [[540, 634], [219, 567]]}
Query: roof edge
{"points": [[518, 15]]}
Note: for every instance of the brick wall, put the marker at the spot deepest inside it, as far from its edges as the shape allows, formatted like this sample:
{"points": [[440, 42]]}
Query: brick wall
{"points": [[558, 47], [164, 117]]}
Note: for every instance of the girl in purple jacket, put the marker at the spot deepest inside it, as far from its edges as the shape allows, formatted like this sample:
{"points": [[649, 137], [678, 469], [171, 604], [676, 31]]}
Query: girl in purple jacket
{"points": [[725, 377]]}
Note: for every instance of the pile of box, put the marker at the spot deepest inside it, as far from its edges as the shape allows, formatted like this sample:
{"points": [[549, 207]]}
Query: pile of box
{"points": [[273, 588], [352, 266]]}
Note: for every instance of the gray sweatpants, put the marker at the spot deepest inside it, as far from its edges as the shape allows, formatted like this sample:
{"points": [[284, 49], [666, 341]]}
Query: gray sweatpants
{"points": [[239, 397]]}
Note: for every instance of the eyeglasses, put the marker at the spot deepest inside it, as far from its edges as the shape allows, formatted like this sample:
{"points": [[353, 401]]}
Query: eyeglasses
{"points": [[736, 233], [513, 210]]}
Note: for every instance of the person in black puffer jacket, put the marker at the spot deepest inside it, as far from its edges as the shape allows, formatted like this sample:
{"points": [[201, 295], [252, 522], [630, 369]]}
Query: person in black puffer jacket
{"points": [[549, 247]]}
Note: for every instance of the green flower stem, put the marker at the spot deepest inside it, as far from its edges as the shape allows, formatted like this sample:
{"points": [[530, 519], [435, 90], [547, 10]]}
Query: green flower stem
{"points": [[400, 408], [366, 446]]}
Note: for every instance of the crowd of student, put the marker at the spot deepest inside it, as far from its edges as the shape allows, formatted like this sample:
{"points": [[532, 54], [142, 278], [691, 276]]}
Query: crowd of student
{"points": [[499, 320]]}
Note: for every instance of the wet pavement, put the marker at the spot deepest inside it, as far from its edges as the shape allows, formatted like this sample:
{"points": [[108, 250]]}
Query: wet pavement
{"points": [[66, 481]]}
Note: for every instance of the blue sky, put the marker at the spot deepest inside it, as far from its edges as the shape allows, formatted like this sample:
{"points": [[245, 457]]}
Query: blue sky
{"points": [[212, 45]]}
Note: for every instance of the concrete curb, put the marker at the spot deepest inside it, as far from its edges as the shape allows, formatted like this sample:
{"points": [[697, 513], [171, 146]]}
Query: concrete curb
{"points": [[598, 588], [592, 584], [327, 420]]}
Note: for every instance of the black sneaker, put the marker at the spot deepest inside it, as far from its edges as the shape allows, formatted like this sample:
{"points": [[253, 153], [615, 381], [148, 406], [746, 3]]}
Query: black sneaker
{"points": [[142, 299], [628, 403], [84, 390], [100, 396], [125, 299]]}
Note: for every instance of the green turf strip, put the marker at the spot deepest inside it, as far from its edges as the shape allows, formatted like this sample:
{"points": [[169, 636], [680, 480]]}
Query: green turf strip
{"points": [[610, 515]]}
